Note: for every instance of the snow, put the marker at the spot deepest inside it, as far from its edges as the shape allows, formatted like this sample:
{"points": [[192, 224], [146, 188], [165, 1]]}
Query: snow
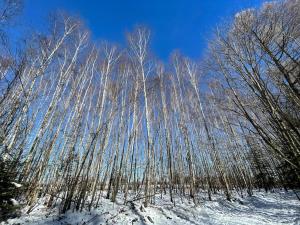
{"points": [[260, 209], [5, 157], [14, 202], [16, 184]]}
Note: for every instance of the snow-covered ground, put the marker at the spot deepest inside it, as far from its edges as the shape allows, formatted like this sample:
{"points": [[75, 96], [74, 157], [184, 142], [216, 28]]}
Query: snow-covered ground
{"points": [[262, 208]]}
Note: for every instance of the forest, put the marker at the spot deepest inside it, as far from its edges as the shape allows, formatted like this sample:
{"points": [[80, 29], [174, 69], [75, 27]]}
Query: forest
{"points": [[82, 120]]}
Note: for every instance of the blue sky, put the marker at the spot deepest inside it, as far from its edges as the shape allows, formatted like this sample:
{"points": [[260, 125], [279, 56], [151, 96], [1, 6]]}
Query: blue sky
{"points": [[185, 25]]}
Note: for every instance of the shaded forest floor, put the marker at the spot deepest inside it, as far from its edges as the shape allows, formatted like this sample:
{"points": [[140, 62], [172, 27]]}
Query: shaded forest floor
{"points": [[262, 208]]}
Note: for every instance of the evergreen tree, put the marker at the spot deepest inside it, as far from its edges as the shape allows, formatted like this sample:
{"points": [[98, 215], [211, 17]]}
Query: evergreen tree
{"points": [[9, 189]]}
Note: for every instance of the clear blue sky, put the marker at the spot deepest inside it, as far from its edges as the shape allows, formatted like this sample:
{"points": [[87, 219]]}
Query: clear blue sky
{"points": [[176, 24]]}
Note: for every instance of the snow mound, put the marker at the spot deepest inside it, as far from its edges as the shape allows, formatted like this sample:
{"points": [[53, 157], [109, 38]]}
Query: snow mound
{"points": [[16, 184], [14, 202]]}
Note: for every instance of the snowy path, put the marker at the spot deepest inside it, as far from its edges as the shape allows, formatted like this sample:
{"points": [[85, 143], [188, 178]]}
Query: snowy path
{"points": [[261, 209]]}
